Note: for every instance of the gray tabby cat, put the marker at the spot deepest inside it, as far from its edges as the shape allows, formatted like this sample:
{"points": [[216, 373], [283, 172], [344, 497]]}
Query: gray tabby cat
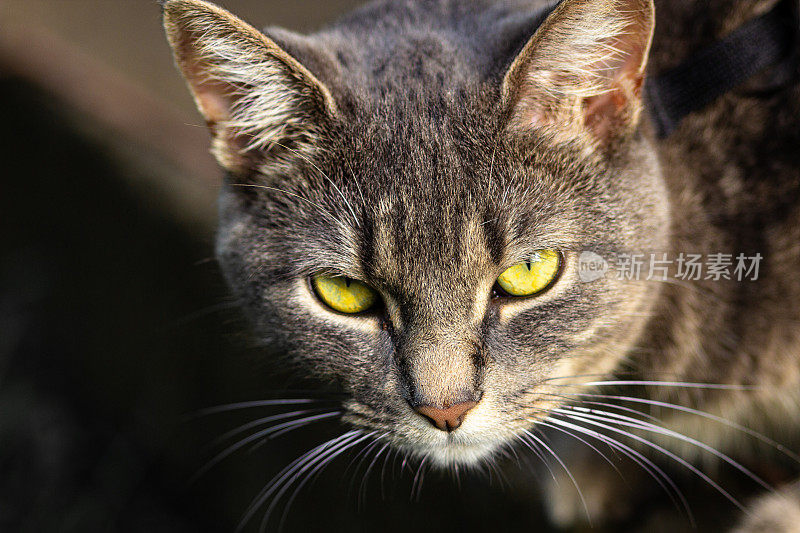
{"points": [[409, 193]]}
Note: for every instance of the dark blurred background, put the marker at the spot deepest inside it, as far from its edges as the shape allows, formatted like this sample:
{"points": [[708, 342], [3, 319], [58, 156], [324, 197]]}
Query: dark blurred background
{"points": [[115, 324]]}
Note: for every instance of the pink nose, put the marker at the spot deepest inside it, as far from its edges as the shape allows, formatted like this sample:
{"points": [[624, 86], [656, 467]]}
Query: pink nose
{"points": [[447, 419]]}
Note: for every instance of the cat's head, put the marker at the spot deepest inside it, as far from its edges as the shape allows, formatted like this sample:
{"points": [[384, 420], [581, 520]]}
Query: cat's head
{"points": [[413, 232]]}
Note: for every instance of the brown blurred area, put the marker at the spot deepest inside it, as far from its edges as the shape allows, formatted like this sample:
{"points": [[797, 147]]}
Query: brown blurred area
{"points": [[108, 60], [125, 36]]}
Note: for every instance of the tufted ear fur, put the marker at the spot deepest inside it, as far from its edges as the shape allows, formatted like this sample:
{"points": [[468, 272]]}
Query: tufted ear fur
{"points": [[581, 75], [261, 105]]}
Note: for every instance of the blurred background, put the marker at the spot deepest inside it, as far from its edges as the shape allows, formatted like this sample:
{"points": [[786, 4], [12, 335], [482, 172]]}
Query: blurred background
{"points": [[115, 325]]}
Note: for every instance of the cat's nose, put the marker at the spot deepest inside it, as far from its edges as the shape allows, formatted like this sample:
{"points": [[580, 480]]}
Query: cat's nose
{"points": [[446, 419]]}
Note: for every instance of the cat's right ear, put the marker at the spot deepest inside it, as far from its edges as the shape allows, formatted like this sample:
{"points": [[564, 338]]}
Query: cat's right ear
{"points": [[258, 101]]}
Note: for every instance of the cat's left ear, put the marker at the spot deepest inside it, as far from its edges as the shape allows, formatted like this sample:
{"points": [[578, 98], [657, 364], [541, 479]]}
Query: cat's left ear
{"points": [[581, 75], [259, 102]]}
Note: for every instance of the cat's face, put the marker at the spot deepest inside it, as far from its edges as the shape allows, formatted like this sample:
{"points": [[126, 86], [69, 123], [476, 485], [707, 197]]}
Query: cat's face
{"points": [[427, 201]]}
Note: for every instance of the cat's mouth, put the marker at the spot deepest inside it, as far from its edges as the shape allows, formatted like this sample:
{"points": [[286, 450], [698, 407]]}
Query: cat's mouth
{"points": [[481, 435], [463, 447]]}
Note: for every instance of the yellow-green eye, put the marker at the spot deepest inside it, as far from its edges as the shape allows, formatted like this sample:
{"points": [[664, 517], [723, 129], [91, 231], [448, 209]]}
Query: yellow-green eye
{"points": [[344, 294], [531, 276]]}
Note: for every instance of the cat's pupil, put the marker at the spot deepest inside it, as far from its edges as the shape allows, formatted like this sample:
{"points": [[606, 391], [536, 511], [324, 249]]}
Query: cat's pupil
{"points": [[347, 282]]}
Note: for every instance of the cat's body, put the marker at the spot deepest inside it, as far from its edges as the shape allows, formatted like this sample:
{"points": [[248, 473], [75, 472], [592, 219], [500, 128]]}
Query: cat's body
{"points": [[422, 147]]}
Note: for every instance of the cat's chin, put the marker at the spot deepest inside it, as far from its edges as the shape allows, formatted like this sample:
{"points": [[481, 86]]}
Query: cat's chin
{"points": [[454, 452], [469, 455]]}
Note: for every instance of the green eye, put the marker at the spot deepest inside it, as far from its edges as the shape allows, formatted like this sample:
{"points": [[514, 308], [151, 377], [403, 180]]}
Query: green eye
{"points": [[532, 276], [344, 294]]}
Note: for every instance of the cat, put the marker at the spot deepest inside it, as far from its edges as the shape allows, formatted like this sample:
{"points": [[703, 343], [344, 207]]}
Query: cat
{"points": [[413, 194]]}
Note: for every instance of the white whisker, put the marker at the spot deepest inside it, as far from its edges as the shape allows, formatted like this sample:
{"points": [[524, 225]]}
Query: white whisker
{"points": [[582, 440], [277, 431], [260, 434], [321, 209], [362, 489], [418, 476], [321, 464], [646, 464], [248, 405], [338, 190], [763, 438], [688, 385], [571, 477], [363, 454], [639, 424], [284, 474], [258, 422], [532, 446], [664, 451]]}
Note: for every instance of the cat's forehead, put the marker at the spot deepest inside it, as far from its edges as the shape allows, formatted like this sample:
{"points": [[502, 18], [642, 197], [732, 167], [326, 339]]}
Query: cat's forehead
{"points": [[427, 225], [437, 195], [430, 259]]}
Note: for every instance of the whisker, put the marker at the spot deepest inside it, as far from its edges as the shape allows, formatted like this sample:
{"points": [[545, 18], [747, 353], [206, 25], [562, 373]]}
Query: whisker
{"points": [[404, 463], [201, 313], [338, 190], [516, 455], [493, 468], [205, 261], [277, 431], [321, 209], [574, 376], [666, 452], [383, 471], [571, 477], [569, 397], [639, 424], [636, 376], [321, 462], [355, 180], [532, 446], [259, 422], [257, 403], [362, 489], [582, 440], [294, 424], [646, 464], [687, 385], [287, 471], [456, 473], [283, 474], [760, 436], [363, 454], [624, 409], [418, 476], [639, 382]]}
